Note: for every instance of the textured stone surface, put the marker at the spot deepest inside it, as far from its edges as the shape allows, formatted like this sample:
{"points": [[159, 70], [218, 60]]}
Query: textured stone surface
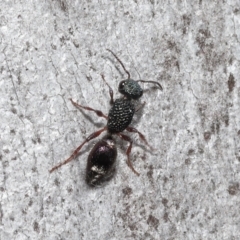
{"points": [[54, 50]]}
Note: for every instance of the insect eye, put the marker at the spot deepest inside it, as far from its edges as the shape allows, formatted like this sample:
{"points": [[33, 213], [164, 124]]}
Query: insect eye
{"points": [[121, 85]]}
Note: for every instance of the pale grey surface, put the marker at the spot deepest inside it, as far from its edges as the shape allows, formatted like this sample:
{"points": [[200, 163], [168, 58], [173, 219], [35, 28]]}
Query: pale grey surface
{"points": [[54, 50]]}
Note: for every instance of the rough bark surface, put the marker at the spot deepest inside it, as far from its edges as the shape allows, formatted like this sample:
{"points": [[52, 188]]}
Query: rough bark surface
{"points": [[189, 187]]}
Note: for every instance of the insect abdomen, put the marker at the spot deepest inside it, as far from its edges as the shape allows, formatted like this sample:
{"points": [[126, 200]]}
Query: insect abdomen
{"points": [[101, 162], [120, 115]]}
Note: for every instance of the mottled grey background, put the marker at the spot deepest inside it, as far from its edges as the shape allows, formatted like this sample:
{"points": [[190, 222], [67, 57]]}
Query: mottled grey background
{"points": [[53, 50]]}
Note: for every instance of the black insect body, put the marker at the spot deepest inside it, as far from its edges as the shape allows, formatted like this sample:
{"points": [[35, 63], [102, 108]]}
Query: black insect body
{"points": [[130, 89], [120, 115], [101, 160]]}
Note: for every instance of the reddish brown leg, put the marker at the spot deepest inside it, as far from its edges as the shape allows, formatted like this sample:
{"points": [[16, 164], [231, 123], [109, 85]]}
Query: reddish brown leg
{"points": [[92, 136], [134, 130], [99, 113], [129, 163], [110, 89], [140, 106]]}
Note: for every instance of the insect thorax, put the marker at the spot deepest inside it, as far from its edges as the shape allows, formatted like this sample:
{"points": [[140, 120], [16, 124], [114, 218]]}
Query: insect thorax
{"points": [[120, 115]]}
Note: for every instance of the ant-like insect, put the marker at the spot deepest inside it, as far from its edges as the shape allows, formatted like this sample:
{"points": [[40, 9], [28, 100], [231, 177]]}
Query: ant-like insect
{"points": [[102, 158]]}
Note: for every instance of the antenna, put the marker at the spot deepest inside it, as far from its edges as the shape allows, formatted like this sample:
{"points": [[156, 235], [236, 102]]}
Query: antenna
{"points": [[127, 72], [151, 82]]}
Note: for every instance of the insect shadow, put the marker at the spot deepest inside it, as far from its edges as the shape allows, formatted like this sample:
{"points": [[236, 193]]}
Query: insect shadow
{"points": [[101, 161]]}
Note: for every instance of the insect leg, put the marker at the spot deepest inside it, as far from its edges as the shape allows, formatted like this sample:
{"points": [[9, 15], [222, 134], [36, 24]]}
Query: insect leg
{"points": [[98, 112], [134, 130], [89, 138], [139, 107], [128, 139]]}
